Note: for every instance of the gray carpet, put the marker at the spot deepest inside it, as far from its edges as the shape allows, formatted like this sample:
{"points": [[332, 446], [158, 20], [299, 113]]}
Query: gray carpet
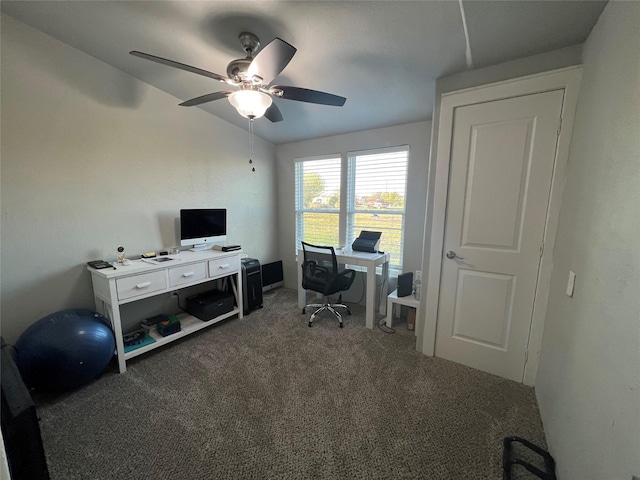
{"points": [[268, 397]]}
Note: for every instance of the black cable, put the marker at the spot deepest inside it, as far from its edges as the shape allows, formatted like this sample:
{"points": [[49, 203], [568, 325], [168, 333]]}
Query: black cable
{"points": [[179, 306], [384, 280], [364, 288]]}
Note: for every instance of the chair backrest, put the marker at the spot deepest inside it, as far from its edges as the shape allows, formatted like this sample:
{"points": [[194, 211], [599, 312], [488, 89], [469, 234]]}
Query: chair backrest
{"points": [[322, 255], [320, 270]]}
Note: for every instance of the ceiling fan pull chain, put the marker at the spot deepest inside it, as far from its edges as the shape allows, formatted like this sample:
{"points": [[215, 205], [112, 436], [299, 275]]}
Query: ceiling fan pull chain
{"points": [[251, 143]]}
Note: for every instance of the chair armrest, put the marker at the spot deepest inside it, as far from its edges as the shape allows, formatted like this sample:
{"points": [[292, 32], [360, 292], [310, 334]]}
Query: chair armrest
{"points": [[319, 271], [344, 279], [349, 274]]}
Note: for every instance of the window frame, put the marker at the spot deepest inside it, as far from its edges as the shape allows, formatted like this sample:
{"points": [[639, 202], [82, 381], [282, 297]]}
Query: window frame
{"points": [[351, 210], [347, 211], [299, 207]]}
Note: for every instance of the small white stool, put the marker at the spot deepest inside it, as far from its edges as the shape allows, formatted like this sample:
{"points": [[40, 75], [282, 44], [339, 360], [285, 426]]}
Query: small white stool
{"points": [[409, 301]]}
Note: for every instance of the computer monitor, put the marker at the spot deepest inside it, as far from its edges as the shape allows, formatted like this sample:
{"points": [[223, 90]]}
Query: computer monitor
{"points": [[272, 275], [201, 228]]}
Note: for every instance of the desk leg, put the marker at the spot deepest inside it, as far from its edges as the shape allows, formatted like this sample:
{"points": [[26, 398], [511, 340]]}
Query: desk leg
{"points": [[237, 292], [389, 313], [371, 296], [113, 315], [302, 293]]}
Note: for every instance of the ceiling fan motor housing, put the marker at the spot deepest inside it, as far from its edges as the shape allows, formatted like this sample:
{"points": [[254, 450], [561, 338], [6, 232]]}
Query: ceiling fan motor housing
{"points": [[237, 69], [250, 42]]}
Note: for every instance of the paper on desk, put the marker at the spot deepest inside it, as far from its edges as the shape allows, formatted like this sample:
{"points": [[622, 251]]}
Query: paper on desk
{"points": [[164, 260]]}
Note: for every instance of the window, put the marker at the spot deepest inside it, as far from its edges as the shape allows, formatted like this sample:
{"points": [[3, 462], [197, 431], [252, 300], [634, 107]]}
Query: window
{"points": [[333, 204], [376, 192], [318, 200]]}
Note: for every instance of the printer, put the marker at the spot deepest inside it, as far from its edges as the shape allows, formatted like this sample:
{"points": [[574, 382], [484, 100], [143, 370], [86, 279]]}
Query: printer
{"points": [[367, 242]]}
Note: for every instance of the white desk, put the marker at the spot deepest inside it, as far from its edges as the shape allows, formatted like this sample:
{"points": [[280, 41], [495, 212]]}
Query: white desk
{"points": [[130, 283], [362, 259]]}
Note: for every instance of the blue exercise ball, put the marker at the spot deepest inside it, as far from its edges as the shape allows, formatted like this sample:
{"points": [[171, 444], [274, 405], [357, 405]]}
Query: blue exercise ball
{"points": [[65, 350]]}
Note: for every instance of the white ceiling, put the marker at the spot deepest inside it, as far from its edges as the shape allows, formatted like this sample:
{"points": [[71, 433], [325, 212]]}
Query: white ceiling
{"points": [[384, 57]]}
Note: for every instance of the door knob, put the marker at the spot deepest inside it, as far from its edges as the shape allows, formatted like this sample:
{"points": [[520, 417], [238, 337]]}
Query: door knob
{"points": [[451, 254]]}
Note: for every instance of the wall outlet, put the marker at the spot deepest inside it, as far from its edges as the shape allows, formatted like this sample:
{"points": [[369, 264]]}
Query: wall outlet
{"points": [[418, 275], [571, 283]]}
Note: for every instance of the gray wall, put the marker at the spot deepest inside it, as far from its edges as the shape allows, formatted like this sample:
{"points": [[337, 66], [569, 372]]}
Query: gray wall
{"points": [[93, 158], [588, 383], [416, 135]]}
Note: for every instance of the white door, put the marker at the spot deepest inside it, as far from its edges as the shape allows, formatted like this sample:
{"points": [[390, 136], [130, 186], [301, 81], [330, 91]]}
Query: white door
{"points": [[502, 161]]}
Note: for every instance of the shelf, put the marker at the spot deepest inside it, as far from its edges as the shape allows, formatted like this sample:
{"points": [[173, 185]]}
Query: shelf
{"points": [[188, 324], [148, 340], [409, 300]]}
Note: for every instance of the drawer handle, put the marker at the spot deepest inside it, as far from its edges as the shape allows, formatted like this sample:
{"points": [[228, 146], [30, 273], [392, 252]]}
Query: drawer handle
{"points": [[143, 285], [226, 265], [187, 274]]}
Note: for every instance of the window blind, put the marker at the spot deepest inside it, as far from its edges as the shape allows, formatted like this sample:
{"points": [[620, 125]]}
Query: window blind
{"points": [[317, 191], [377, 183]]}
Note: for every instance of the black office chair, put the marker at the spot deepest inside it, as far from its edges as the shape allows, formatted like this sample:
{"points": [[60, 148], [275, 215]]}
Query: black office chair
{"points": [[320, 274]]}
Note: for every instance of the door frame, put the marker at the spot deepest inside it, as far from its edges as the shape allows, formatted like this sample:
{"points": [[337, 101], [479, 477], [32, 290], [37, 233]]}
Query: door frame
{"points": [[567, 79]]}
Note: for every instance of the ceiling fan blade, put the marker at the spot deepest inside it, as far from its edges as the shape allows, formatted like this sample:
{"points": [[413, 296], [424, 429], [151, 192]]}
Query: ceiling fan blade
{"points": [[182, 66], [306, 95], [273, 113], [271, 60], [209, 97]]}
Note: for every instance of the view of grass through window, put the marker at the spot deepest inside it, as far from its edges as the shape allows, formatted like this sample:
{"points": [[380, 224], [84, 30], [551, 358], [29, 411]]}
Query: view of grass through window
{"points": [[375, 199], [318, 201]]}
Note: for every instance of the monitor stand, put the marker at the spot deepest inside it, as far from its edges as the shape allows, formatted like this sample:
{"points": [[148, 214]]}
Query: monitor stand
{"points": [[200, 247]]}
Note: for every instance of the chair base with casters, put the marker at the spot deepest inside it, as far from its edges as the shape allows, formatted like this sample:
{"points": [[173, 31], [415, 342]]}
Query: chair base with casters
{"points": [[320, 273], [330, 307]]}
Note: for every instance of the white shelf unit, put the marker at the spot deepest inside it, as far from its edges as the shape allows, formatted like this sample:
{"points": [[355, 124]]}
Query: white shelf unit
{"points": [[408, 301], [125, 284], [188, 325]]}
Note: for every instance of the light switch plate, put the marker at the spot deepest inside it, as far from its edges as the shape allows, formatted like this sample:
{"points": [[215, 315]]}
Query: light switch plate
{"points": [[571, 283]]}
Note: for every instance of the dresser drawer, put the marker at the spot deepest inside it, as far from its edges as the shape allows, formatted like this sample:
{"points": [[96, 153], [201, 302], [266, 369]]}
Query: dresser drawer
{"points": [[129, 287], [187, 274], [223, 266]]}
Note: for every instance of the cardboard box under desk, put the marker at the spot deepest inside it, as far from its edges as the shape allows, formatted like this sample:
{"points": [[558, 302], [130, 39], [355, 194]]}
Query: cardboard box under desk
{"points": [[411, 318]]}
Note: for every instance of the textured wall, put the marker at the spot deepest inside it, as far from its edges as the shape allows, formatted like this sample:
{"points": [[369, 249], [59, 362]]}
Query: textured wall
{"points": [[588, 383], [92, 158]]}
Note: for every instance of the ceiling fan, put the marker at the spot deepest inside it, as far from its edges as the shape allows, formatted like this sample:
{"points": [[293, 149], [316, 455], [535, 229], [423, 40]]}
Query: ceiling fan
{"points": [[252, 77]]}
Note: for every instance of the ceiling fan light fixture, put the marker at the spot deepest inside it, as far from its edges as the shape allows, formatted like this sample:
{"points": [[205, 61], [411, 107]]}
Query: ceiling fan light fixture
{"points": [[250, 103]]}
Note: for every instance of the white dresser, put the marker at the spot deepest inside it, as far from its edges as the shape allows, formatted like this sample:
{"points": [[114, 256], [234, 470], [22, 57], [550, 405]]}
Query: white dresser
{"points": [[124, 284]]}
